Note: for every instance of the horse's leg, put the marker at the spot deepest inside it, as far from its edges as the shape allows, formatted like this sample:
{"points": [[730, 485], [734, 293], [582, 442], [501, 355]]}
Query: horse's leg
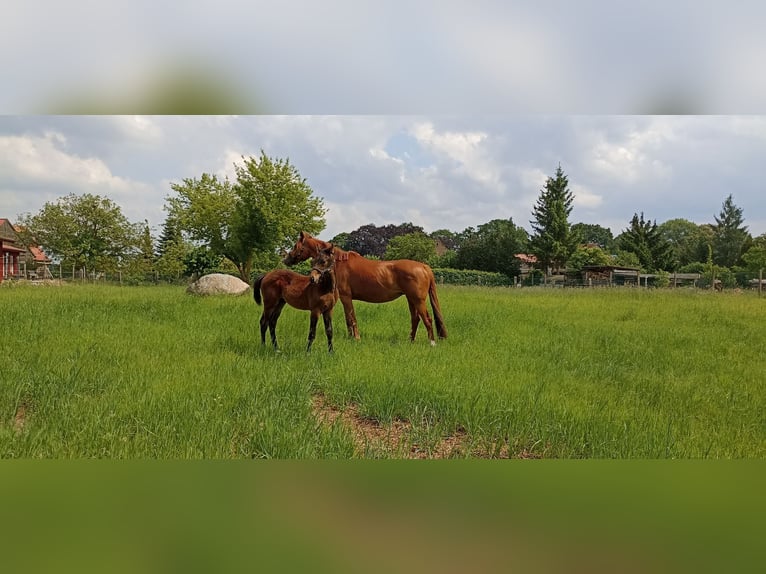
{"points": [[419, 311], [327, 316], [273, 318], [348, 309], [414, 319], [426, 318], [312, 329]]}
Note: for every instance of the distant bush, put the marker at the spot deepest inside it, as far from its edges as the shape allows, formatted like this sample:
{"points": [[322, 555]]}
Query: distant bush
{"points": [[471, 277]]}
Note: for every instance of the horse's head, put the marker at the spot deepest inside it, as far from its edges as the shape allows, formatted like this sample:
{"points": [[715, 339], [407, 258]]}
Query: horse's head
{"points": [[303, 249], [324, 264]]}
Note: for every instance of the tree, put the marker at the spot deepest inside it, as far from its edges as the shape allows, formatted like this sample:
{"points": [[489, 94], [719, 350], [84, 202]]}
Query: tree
{"points": [[596, 234], [755, 257], [341, 240], [416, 246], [261, 213], [87, 230], [553, 241], [622, 258], [585, 255], [687, 240], [645, 240], [371, 240], [449, 239], [171, 234], [729, 234], [200, 261], [172, 250], [141, 262], [493, 247]]}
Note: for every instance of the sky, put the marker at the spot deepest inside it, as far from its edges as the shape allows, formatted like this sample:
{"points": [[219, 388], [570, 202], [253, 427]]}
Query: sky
{"points": [[442, 114], [438, 172]]}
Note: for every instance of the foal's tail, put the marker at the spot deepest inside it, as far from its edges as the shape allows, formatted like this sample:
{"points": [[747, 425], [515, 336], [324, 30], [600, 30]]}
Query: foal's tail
{"points": [[441, 328], [257, 288]]}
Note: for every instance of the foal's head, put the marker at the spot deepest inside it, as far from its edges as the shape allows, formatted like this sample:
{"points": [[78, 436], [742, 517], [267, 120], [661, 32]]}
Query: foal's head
{"points": [[323, 265]]}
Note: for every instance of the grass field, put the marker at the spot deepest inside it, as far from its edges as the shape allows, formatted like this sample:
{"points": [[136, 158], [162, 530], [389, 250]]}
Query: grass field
{"points": [[151, 372]]}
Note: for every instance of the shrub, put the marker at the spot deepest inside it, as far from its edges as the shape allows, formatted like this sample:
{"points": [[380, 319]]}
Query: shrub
{"points": [[471, 277]]}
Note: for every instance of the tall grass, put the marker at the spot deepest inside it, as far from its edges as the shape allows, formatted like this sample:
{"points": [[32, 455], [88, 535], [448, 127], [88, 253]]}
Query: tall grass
{"points": [[150, 372]]}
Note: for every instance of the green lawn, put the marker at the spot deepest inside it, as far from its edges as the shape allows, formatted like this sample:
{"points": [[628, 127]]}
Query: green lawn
{"points": [[151, 372]]}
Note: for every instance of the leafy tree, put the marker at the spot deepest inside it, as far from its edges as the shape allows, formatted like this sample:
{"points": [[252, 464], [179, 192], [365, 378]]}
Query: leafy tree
{"points": [[341, 240], [584, 256], [755, 257], [449, 239], [622, 258], [260, 214], [645, 240], [593, 233], [445, 260], [493, 247], [553, 241], [200, 261], [371, 240], [688, 241], [416, 246], [87, 230], [729, 234]]}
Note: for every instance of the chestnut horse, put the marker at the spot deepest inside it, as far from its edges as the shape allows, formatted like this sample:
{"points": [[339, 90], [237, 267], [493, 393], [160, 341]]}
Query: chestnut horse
{"points": [[316, 292], [377, 282]]}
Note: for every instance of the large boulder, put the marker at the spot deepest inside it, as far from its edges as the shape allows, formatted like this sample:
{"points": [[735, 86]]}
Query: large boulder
{"points": [[218, 284]]}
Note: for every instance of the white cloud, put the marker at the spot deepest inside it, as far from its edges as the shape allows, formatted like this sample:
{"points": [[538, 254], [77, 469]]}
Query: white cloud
{"points": [[632, 157], [585, 198], [467, 149], [139, 128], [40, 160]]}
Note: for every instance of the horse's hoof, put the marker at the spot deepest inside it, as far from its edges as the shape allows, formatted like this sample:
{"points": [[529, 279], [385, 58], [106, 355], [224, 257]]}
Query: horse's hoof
{"points": [[433, 343]]}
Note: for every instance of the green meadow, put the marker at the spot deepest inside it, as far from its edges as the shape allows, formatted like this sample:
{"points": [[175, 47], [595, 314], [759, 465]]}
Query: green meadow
{"points": [[94, 371]]}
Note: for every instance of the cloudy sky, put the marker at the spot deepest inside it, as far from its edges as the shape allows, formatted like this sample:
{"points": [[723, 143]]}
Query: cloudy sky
{"points": [[434, 171]]}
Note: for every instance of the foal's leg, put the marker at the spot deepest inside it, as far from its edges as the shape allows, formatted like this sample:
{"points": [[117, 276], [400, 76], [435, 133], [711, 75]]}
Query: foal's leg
{"points": [[312, 329], [327, 316], [273, 318], [264, 326]]}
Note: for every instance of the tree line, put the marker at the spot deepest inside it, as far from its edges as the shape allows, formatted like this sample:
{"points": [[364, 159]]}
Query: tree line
{"points": [[243, 226]]}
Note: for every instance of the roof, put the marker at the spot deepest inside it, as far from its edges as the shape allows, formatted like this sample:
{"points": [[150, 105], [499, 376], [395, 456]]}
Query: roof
{"points": [[4, 247], [526, 258], [38, 255], [615, 268], [34, 250]]}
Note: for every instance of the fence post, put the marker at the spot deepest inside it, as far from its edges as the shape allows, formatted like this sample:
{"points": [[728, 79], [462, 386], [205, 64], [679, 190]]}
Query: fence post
{"points": [[760, 281]]}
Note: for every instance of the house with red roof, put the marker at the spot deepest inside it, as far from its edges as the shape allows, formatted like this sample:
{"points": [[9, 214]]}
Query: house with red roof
{"points": [[19, 261]]}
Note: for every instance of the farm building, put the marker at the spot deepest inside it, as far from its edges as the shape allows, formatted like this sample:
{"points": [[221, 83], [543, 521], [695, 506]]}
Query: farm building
{"points": [[528, 262], [19, 261], [608, 275]]}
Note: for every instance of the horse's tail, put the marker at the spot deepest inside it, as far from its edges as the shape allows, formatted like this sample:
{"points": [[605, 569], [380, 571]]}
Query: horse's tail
{"points": [[257, 288], [441, 328]]}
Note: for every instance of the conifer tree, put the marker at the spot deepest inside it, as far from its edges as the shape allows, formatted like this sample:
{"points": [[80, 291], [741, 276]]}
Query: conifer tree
{"points": [[646, 240], [553, 241], [729, 234]]}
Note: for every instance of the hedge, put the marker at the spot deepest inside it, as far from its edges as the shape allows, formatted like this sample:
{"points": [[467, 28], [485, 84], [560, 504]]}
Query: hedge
{"points": [[471, 277]]}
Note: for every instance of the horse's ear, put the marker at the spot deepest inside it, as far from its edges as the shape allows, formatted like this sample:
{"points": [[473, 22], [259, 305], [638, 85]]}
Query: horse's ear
{"points": [[302, 235]]}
